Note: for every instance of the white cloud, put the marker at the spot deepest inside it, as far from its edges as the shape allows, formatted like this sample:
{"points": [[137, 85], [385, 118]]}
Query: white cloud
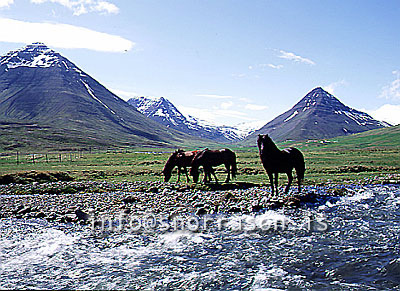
{"points": [[263, 66], [61, 36], [226, 105], [295, 58], [255, 107], [215, 115], [333, 86], [104, 6], [277, 67], [231, 113], [215, 96], [126, 95], [80, 7], [392, 91], [201, 113], [387, 112], [245, 99], [6, 3], [238, 76]]}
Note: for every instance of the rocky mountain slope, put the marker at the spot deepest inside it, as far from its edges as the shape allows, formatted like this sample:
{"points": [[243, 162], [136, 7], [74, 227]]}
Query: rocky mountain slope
{"points": [[38, 86], [318, 115]]}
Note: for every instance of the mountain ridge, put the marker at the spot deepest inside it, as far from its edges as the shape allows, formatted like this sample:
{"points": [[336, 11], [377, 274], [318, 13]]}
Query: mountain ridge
{"points": [[41, 86], [318, 115], [163, 111]]}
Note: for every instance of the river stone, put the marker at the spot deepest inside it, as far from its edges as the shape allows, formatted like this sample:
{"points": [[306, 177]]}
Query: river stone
{"points": [[234, 209], [201, 211], [81, 215]]}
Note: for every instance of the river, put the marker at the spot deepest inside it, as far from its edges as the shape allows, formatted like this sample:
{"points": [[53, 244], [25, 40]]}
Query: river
{"points": [[347, 243]]}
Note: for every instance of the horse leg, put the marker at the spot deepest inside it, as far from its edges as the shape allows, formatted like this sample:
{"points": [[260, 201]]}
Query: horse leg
{"points": [[228, 169], [276, 183], [299, 183], [290, 179], [186, 173], [179, 174], [206, 174], [271, 182], [213, 172]]}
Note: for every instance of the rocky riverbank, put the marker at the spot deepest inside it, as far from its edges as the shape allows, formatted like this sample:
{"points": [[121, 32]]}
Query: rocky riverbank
{"points": [[71, 202]]}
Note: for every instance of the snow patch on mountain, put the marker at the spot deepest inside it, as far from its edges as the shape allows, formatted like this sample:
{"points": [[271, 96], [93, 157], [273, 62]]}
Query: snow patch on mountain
{"points": [[163, 111], [91, 93], [291, 116], [36, 55]]}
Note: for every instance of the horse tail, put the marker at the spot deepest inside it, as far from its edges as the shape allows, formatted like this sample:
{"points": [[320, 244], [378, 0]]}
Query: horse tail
{"points": [[299, 164], [234, 166]]}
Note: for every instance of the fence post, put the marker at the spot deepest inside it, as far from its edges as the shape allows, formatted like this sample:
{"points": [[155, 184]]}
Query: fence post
{"points": [[33, 158], [47, 159], [59, 157]]}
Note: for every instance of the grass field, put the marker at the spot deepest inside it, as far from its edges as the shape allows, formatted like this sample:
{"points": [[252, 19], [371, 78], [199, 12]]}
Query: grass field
{"points": [[358, 157], [323, 164]]}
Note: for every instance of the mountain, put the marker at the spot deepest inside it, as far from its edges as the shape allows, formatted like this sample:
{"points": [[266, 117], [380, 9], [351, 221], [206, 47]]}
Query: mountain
{"points": [[164, 112], [39, 88], [318, 115]]}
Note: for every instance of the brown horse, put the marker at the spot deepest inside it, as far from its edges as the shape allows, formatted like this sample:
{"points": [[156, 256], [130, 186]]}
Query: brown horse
{"points": [[277, 161], [180, 159], [212, 158]]}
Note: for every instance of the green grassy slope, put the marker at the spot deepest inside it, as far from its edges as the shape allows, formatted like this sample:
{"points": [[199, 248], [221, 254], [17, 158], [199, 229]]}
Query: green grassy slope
{"points": [[388, 138]]}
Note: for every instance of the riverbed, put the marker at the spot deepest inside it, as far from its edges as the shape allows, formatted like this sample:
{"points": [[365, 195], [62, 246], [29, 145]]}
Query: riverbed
{"points": [[349, 242]]}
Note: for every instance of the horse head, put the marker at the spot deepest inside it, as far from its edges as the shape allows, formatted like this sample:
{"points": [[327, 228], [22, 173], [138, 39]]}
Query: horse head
{"points": [[169, 165], [263, 138], [260, 140], [167, 174]]}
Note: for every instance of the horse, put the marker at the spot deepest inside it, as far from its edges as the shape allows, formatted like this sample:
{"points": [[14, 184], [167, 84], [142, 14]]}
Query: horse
{"points": [[181, 159], [212, 158], [277, 161]]}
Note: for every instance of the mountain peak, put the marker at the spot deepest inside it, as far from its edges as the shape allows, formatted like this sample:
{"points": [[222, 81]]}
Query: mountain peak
{"points": [[318, 98], [33, 55], [319, 93], [318, 90], [39, 85], [163, 111], [36, 46], [318, 115]]}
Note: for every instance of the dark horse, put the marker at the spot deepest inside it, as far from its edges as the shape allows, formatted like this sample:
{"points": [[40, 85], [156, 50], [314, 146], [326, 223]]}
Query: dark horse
{"points": [[277, 161], [181, 159], [212, 158]]}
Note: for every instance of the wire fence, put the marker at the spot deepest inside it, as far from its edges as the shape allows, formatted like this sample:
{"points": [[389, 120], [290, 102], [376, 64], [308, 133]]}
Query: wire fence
{"points": [[19, 158], [50, 157]]}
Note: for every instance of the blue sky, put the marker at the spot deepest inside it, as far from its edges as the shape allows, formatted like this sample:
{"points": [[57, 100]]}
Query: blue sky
{"points": [[224, 61]]}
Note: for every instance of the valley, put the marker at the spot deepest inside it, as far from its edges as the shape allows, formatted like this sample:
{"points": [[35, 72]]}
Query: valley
{"points": [[331, 163]]}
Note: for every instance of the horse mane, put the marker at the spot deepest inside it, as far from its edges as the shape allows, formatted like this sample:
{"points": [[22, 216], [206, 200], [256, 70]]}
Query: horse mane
{"points": [[267, 142], [198, 158]]}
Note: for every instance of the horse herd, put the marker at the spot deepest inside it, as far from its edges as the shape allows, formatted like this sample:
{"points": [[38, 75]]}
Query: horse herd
{"points": [[275, 161]]}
